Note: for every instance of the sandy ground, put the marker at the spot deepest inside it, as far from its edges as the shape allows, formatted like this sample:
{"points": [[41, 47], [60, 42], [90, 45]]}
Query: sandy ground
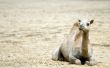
{"points": [[31, 29]]}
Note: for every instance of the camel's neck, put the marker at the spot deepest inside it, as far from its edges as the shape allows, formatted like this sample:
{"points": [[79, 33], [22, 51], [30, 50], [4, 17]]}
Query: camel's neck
{"points": [[85, 42], [82, 37]]}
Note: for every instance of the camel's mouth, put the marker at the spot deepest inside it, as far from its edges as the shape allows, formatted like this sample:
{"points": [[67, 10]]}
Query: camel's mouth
{"points": [[81, 28]]}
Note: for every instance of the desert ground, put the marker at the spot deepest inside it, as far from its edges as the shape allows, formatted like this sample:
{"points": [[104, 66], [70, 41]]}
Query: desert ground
{"points": [[31, 29]]}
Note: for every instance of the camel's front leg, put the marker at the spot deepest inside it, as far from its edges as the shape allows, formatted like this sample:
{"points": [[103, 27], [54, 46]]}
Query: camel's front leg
{"points": [[74, 60], [91, 62]]}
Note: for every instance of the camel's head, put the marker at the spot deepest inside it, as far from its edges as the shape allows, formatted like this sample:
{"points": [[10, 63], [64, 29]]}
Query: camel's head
{"points": [[85, 24]]}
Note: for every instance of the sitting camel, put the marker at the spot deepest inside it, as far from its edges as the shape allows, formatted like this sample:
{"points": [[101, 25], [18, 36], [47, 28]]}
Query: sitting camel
{"points": [[76, 48]]}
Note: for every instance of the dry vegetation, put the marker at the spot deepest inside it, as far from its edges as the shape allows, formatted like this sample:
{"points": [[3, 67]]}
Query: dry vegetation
{"points": [[31, 29]]}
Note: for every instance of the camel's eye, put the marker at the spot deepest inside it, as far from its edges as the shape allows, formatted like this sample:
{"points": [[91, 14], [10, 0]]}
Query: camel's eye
{"points": [[87, 24]]}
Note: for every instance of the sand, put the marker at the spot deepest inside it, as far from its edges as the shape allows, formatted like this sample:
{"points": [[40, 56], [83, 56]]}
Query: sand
{"points": [[31, 29]]}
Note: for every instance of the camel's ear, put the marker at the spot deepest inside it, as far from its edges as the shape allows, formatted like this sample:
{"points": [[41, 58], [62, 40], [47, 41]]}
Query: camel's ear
{"points": [[91, 21]]}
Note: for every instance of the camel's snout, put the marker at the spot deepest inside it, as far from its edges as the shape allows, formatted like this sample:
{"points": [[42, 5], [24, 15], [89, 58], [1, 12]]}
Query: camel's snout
{"points": [[81, 27]]}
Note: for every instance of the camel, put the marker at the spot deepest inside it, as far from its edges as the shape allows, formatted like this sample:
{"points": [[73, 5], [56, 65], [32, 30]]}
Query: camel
{"points": [[76, 48]]}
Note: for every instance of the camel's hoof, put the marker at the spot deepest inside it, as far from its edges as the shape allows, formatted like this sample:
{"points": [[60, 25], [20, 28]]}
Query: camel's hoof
{"points": [[91, 63], [78, 62]]}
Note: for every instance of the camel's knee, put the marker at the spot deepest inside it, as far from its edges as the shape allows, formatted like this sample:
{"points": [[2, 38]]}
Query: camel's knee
{"points": [[74, 60], [91, 62], [55, 54]]}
